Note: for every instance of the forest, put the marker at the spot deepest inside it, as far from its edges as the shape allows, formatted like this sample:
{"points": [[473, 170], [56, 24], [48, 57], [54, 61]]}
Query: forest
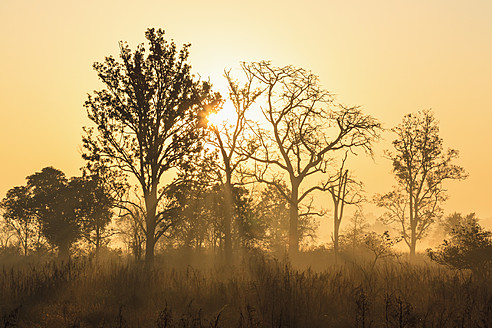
{"points": [[197, 208]]}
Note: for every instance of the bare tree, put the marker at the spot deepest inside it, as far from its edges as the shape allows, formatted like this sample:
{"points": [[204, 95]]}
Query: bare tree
{"points": [[344, 190], [304, 127], [227, 137], [354, 233], [131, 226], [420, 166]]}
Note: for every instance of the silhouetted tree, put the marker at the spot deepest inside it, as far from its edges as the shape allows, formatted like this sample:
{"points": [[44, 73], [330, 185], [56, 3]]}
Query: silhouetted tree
{"points": [[380, 245], [354, 233], [420, 166], [228, 137], [202, 208], [56, 203], [304, 127], [273, 210], [470, 247], [147, 120], [344, 190], [20, 218], [130, 227], [192, 203], [248, 226], [7, 235], [59, 209], [100, 190]]}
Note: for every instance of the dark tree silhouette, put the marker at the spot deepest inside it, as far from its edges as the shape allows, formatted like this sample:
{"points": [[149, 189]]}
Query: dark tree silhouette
{"points": [[56, 203], [420, 166], [19, 216], [201, 209], [99, 190], [380, 245], [469, 247], [304, 128], [455, 220], [59, 209], [344, 190], [191, 204], [147, 120], [228, 137]]}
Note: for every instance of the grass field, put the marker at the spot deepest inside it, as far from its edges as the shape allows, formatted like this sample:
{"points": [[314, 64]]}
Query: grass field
{"points": [[259, 291]]}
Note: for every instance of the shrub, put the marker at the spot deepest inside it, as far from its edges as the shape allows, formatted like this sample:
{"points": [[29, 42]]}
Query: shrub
{"points": [[470, 247]]}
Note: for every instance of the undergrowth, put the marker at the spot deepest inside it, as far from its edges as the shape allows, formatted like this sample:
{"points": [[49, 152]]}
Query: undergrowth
{"points": [[258, 292]]}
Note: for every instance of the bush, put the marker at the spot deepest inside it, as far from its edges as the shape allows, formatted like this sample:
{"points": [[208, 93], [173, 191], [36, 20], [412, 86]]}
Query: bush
{"points": [[470, 247]]}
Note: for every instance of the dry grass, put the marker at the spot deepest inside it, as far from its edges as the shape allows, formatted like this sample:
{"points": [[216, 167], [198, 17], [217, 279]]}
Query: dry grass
{"points": [[258, 292]]}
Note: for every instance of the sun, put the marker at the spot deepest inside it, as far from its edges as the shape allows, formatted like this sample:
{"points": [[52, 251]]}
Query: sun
{"points": [[224, 116]]}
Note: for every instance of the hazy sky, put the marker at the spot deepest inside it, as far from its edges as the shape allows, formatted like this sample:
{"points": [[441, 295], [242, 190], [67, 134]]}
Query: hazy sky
{"points": [[390, 57]]}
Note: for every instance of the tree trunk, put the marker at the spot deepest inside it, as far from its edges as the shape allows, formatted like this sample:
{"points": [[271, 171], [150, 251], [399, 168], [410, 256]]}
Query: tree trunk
{"points": [[149, 250], [151, 208], [336, 223], [25, 245], [229, 213], [294, 219], [98, 243], [413, 224], [336, 233], [64, 251], [26, 240], [413, 243]]}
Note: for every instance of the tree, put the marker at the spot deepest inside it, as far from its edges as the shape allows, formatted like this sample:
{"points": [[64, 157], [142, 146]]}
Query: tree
{"points": [[249, 227], [56, 203], [380, 245], [59, 209], [273, 210], [228, 137], [304, 126], [192, 202], [457, 220], [7, 235], [20, 218], [344, 190], [470, 247], [100, 189], [202, 209], [354, 234], [148, 119], [130, 225], [420, 166]]}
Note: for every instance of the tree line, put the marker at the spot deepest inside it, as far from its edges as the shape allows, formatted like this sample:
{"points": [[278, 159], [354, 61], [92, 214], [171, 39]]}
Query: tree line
{"points": [[246, 183]]}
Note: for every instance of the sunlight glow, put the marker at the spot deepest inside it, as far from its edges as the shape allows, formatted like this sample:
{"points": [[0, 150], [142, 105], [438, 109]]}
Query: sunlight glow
{"points": [[225, 116]]}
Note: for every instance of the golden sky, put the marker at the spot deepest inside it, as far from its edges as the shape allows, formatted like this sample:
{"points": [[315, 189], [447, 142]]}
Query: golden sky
{"points": [[391, 57]]}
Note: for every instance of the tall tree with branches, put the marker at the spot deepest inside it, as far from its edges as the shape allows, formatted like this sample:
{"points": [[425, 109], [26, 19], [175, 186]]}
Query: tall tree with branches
{"points": [[227, 137], [304, 127], [344, 190], [20, 217], [147, 120], [420, 165]]}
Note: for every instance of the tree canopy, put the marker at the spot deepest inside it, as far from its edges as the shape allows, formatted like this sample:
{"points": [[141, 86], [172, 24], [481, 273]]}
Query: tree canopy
{"points": [[147, 119], [304, 128], [61, 210], [420, 166]]}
